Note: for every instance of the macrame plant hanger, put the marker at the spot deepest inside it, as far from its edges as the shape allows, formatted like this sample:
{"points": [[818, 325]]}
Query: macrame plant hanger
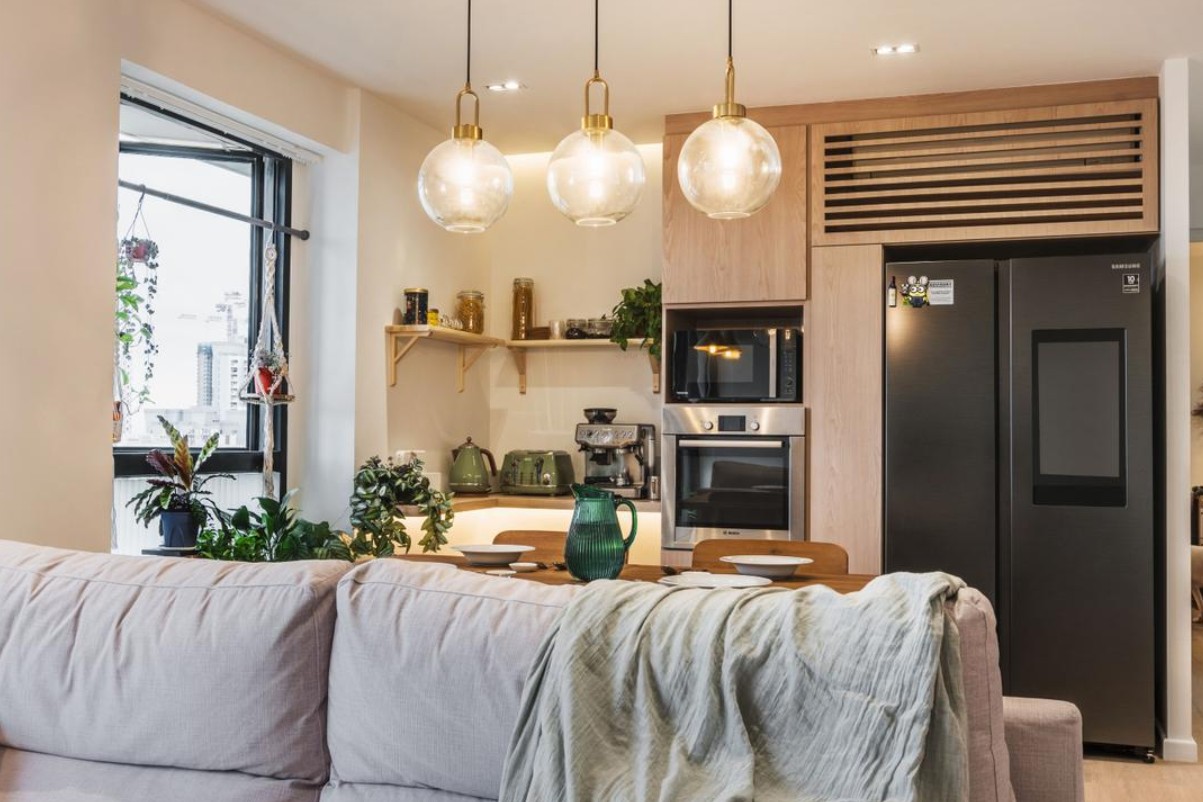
{"points": [[267, 382]]}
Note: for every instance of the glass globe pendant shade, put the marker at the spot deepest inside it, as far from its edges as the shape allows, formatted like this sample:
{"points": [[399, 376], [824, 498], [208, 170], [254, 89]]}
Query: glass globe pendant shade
{"points": [[465, 185], [729, 168], [596, 177]]}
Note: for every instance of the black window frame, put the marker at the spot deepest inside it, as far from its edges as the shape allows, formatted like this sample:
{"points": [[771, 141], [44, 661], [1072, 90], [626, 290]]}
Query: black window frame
{"points": [[271, 199]]}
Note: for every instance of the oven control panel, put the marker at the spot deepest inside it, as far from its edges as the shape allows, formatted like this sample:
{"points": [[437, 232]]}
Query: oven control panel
{"points": [[768, 421]]}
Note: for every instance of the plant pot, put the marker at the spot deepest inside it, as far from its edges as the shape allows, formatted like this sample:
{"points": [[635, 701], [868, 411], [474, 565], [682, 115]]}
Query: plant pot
{"points": [[264, 379], [138, 251], [178, 530]]}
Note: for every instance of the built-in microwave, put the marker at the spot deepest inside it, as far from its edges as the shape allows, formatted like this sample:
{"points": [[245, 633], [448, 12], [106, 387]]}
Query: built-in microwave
{"points": [[736, 365]]}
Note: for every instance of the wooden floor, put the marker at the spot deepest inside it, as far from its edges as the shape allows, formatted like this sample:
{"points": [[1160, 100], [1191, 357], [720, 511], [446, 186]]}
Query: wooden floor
{"points": [[1109, 780]]}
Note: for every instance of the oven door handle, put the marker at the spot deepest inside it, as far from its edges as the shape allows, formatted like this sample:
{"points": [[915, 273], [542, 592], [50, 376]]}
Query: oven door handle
{"points": [[768, 444]]}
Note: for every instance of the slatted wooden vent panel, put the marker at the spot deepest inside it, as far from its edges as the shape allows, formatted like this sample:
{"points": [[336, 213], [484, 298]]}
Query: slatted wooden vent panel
{"points": [[1061, 171]]}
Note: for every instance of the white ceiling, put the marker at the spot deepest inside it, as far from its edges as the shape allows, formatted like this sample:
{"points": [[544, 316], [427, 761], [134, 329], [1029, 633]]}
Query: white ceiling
{"points": [[664, 56]]}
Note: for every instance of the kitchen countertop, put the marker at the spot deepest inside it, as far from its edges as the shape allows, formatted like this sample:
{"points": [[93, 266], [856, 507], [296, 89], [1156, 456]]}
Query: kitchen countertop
{"points": [[468, 503]]}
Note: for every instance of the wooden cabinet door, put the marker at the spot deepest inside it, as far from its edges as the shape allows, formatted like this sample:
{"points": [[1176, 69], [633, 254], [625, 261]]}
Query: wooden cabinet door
{"points": [[843, 385], [761, 258]]}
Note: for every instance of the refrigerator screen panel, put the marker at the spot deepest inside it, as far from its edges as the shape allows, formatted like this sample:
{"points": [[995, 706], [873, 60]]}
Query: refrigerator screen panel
{"points": [[1078, 417]]}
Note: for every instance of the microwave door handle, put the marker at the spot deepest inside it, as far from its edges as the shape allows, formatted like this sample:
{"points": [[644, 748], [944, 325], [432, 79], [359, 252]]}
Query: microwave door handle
{"points": [[765, 444], [773, 363]]}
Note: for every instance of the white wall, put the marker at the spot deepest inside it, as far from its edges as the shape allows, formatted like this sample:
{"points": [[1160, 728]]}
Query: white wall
{"points": [[1175, 237], [578, 272]]}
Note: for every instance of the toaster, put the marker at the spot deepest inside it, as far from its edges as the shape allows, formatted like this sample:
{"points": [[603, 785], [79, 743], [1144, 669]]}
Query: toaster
{"points": [[537, 473]]}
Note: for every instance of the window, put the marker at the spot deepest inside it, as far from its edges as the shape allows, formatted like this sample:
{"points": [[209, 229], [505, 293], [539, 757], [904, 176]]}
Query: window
{"points": [[204, 292]]}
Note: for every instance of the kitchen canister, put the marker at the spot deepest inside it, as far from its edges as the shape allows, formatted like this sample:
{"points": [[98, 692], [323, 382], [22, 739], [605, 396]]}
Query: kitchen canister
{"points": [[524, 303], [416, 300]]}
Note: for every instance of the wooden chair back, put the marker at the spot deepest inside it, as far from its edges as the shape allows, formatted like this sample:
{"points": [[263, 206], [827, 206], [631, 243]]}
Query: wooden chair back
{"points": [[828, 557], [549, 546]]}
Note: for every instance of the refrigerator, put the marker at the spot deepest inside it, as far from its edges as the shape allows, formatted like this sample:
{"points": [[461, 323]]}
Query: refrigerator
{"points": [[1019, 455]]}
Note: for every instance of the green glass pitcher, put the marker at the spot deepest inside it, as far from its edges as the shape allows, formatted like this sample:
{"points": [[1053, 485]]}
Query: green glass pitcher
{"points": [[595, 548]]}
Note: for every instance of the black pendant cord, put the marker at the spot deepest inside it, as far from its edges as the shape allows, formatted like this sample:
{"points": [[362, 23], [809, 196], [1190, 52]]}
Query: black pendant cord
{"points": [[468, 79], [596, 39], [730, 19]]}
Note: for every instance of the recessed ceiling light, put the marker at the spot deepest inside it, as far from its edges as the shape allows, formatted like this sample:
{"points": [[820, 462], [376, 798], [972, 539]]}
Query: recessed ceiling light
{"points": [[890, 50], [508, 86]]}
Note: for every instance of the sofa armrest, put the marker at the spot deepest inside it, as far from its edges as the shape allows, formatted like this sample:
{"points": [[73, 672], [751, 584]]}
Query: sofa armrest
{"points": [[1044, 738]]}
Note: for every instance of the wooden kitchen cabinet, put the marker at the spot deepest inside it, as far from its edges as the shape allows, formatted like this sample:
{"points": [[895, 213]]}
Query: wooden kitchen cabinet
{"points": [[761, 259], [843, 387]]}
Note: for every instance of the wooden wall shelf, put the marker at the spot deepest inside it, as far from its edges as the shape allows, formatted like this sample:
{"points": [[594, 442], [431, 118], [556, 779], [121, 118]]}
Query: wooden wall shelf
{"points": [[470, 346], [519, 349]]}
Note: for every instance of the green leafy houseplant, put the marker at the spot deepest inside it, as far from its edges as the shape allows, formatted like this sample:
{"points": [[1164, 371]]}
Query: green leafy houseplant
{"points": [[179, 488], [137, 285], [273, 534], [382, 487], [639, 315]]}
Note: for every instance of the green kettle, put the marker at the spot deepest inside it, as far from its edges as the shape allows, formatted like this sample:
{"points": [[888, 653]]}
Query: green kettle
{"points": [[595, 548], [468, 471]]}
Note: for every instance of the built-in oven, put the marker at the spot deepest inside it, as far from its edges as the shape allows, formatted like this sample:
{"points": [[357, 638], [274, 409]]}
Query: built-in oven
{"points": [[737, 472], [736, 365]]}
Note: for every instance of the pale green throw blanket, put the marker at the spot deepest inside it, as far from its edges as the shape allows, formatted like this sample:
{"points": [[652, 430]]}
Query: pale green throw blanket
{"points": [[644, 692]]}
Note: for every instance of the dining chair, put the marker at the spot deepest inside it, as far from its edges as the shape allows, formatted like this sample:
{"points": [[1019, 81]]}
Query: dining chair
{"points": [[549, 546], [828, 557]]}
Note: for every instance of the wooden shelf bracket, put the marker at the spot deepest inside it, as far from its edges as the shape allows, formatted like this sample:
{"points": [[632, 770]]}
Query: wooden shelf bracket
{"points": [[470, 347]]}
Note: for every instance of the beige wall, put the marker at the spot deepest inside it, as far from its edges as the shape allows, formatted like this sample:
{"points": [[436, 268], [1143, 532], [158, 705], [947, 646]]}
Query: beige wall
{"points": [[1196, 359], [400, 247], [58, 173], [578, 272]]}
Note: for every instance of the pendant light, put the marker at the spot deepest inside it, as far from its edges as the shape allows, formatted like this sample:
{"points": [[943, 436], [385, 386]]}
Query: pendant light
{"points": [[465, 184], [729, 166], [596, 175]]}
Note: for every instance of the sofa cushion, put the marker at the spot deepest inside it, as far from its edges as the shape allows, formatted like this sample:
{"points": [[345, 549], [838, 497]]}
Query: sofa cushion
{"points": [[989, 764], [362, 792], [193, 664], [427, 672], [30, 777]]}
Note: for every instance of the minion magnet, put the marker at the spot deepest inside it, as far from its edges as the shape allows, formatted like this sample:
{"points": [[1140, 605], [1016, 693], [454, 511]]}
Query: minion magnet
{"points": [[914, 292]]}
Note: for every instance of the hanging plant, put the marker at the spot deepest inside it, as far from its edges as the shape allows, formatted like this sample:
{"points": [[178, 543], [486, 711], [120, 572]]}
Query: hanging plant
{"points": [[137, 286], [269, 370]]}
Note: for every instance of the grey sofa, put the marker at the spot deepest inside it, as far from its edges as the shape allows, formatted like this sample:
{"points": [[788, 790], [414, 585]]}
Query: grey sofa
{"points": [[125, 678]]}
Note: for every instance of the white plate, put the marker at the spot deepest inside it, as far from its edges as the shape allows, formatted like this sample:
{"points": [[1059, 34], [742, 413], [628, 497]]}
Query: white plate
{"points": [[524, 568], [492, 553], [773, 566], [501, 572], [705, 579]]}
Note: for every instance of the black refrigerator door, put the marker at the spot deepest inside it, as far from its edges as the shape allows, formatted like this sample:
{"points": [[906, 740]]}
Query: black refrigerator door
{"points": [[940, 417], [1078, 620]]}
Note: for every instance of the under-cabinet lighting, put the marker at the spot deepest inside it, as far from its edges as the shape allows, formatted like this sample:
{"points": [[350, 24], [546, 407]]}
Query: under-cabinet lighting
{"points": [[508, 86]]}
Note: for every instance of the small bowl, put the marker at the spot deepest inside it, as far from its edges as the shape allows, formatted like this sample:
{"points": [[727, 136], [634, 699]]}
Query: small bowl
{"points": [[492, 553], [601, 414], [770, 566], [524, 568]]}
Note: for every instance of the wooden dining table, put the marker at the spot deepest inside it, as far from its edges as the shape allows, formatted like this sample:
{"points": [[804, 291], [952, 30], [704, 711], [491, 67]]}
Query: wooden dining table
{"points": [[841, 583]]}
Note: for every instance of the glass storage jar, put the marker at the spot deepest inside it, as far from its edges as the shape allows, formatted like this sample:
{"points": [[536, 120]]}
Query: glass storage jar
{"points": [[524, 303], [470, 309]]}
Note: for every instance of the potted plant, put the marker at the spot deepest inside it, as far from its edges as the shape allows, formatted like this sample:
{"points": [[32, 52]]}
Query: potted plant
{"points": [[639, 315], [383, 488], [276, 533], [268, 370], [177, 498]]}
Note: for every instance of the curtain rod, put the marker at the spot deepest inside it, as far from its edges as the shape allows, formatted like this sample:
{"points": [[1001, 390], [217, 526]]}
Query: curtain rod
{"points": [[300, 234]]}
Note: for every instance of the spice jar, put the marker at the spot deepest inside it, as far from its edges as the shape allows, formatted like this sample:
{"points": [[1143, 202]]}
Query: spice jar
{"points": [[470, 309], [432, 317], [524, 303], [416, 299]]}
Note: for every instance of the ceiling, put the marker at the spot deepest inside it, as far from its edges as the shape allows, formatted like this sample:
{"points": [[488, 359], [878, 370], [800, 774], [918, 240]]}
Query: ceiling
{"points": [[665, 56]]}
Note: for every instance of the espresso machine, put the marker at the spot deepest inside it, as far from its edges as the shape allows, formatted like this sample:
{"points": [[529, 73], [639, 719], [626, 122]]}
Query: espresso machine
{"points": [[621, 458]]}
